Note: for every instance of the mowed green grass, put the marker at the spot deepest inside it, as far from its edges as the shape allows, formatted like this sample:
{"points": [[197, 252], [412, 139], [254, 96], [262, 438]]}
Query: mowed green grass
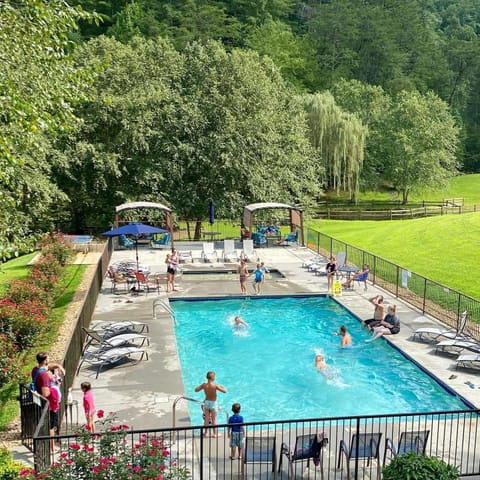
{"points": [[444, 249]]}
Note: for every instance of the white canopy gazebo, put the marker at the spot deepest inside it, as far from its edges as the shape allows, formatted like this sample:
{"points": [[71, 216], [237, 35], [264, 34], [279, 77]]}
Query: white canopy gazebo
{"points": [[146, 205], [295, 215]]}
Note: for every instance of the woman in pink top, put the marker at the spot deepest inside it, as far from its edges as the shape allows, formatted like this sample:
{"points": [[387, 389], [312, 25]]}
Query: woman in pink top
{"points": [[88, 405]]}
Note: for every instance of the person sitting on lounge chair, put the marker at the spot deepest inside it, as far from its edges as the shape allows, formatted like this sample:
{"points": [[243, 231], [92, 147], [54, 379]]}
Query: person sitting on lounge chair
{"points": [[291, 237], [360, 276]]}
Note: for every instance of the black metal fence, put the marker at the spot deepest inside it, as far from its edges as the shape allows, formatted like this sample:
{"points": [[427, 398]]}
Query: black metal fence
{"points": [[429, 297], [315, 448], [32, 413]]}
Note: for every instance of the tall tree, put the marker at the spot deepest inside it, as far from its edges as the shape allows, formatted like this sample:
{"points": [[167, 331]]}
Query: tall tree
{"points": [[184, 128], [339, 139], [370, 104], [420, 143], [40, 86]]}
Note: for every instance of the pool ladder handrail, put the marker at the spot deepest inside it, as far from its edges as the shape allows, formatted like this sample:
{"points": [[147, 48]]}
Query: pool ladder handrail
{"points": [[161, 302], [189, 399]]}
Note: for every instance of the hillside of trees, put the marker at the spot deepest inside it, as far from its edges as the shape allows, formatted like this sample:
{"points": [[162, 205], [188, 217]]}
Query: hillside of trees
{"points": [[182, 101]]}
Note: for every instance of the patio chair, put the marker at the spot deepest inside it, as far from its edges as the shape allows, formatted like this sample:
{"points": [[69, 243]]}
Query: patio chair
{"points": [[209, 254], [432, 334], [455, 347], [345, 270], [165, 239], [363, 445], [111, 357], [292, 237], [249, 252], [117, 279], [124, 242], [471, 361], [185, 256], [128, 326], [94, 338], [259, 240], [259, 450], [307, 447], [317, 260], [415, 442], [229, 251], [145, 284]]}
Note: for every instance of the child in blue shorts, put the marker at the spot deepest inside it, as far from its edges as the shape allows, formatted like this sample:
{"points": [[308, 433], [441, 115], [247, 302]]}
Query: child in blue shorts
{"points": [[236, 432]]}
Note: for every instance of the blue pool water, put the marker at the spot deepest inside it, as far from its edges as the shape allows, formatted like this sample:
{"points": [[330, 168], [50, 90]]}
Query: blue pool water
{"points": [[269, 368]]}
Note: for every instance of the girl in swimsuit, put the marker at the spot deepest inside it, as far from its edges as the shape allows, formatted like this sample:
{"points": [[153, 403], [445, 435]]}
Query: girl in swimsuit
{"points": [[243, 271]]}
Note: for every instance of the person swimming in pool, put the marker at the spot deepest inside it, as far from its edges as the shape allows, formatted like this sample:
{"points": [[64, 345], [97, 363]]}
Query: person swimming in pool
{"points": [[238, 323], [322, 367], [320, 362], [346, 340]]}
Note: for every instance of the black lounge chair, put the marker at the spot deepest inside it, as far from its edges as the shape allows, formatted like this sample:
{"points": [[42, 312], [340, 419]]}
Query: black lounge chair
{"points": [[259, 450], [415, 442], [307, 447], [363, 445]]}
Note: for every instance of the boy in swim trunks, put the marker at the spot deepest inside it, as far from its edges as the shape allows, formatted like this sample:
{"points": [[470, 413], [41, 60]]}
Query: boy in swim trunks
{"points": [[210, 408]]}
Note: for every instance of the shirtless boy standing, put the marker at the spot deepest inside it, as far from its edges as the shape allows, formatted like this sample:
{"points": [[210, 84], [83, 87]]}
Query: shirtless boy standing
{"points": [[210, 408]]}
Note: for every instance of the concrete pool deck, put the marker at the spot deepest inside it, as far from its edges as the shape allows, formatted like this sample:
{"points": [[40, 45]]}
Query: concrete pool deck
{"points": [[143, 395]]}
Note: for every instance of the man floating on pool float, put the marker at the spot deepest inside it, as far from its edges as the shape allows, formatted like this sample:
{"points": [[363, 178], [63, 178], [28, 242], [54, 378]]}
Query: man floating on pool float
{"points": [[210, 405], [346, 340]]}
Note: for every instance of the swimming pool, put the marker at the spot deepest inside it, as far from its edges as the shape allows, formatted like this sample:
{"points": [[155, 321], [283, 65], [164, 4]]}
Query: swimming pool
{"points": [[269, 367]]}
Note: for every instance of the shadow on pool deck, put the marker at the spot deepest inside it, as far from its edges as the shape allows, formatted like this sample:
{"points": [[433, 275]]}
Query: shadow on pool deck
{"points": [[143, 394]]}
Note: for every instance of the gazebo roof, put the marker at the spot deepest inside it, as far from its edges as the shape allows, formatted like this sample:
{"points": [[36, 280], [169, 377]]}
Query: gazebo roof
{"points": [[265, 205], [135, 205]]}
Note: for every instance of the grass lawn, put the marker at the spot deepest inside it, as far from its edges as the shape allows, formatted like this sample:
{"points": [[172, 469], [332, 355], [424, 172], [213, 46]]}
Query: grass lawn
{"points": [[444, 249], [15, 269]]}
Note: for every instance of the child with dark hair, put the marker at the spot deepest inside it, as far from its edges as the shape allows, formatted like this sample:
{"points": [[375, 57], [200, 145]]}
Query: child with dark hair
{"points": [[236, 432], [88, 405]]}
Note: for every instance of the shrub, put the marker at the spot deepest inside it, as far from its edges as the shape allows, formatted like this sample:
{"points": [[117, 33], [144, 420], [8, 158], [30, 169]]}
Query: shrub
{"points": [[55, 244], [9, 469], [111, 457], [20, 291], [9, 368], [412, 466], [23, 322]]}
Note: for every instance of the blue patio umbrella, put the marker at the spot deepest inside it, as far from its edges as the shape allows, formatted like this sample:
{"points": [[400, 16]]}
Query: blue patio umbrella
{"points": [[211, 212], [134, 229]]}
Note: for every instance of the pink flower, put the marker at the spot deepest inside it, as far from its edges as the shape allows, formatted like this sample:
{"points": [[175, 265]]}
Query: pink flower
{"points": [[75, 446], [64, 455], [100, 414], [95, 470]]}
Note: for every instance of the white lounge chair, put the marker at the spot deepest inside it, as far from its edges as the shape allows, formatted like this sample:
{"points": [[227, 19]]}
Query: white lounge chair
{"points": [[209, 254], [317, 260], [432, 334], [248, 251], [95, 338], [111, 357], [127, 326], [470, 360], [185, 256], [229, 251], [456, 347]]}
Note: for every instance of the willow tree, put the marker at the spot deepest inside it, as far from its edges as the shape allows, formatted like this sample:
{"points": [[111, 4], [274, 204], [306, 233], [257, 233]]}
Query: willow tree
{"points": [[339, 139]]}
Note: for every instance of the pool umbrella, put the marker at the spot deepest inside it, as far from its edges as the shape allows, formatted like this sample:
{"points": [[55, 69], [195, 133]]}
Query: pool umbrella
{"points": [[211, 212], [135, 229]]}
